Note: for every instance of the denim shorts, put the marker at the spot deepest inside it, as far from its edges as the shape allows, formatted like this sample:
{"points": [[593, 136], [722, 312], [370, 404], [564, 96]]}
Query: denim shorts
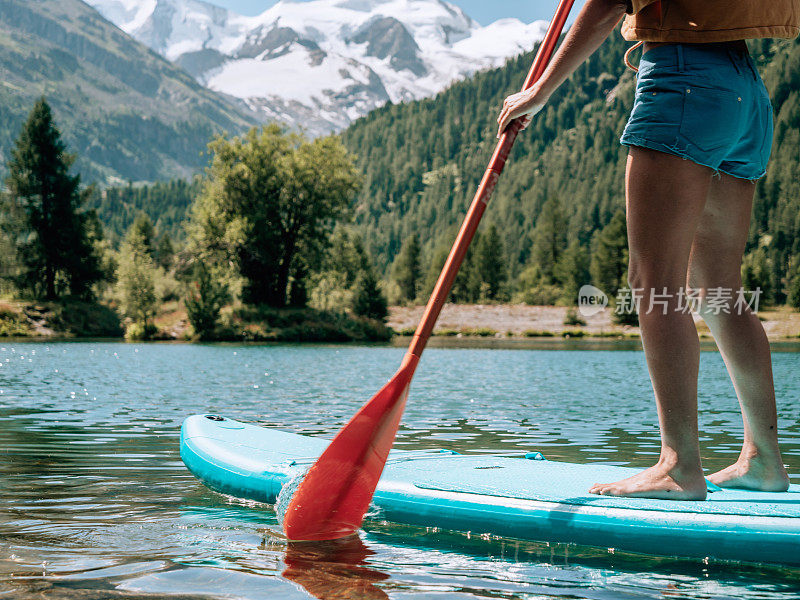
{"points": [[705, 103]]}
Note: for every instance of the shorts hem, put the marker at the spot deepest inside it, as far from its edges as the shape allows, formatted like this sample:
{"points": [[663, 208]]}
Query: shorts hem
{"points": [[634, 140]]}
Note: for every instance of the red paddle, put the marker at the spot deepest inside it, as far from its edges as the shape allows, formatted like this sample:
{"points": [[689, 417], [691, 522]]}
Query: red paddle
{"points": [[334, 495]]}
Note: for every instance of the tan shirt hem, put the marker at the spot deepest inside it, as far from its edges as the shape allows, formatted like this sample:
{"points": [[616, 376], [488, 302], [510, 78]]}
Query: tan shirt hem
{"points": [[698, 37]]}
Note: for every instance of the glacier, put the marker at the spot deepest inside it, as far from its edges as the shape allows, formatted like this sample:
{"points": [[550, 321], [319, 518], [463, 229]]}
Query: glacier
{"points": [[318, 65]]}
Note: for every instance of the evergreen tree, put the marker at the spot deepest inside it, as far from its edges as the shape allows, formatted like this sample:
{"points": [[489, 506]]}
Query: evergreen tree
{"points": [[143, 227], [11, 224], [368, 300], [549, 240], [136, 285], [572, 270], [434, 270], [491, 263], [757, 275], [794, 286], [407, 270], [165, 252], [346, 255], [609, 265], [55, 255], [467, 284]]}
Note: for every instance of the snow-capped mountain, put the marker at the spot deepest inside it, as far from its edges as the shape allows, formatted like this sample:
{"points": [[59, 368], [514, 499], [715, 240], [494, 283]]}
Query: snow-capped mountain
{"points": [[320, 64]]}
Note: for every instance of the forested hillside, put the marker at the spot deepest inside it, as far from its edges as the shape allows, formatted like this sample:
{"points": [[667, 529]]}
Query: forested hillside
{"points": [[165, 204], [422, 162], [128, 113]]}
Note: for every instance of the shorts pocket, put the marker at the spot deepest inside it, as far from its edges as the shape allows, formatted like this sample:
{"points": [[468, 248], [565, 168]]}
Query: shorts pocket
{"points": [[711, 117]]}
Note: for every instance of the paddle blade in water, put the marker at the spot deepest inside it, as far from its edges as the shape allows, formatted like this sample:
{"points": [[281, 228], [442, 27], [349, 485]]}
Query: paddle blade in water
{"points": [[334, 496]]}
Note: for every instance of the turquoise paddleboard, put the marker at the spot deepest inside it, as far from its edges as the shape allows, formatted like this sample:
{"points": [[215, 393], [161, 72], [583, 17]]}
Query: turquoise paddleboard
{"points": [[528, 498]]}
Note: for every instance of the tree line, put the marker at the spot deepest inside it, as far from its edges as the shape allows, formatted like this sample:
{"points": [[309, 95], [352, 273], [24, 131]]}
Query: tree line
{"points": [[268, 227], [563, 186]]}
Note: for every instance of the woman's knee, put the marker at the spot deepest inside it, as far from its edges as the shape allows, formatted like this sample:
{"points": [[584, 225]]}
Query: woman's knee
{"points": [[655, 272]]}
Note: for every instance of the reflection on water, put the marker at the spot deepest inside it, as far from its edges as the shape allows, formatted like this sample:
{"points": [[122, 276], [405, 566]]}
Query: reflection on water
{"points": [[334, 569], [95, 502]]}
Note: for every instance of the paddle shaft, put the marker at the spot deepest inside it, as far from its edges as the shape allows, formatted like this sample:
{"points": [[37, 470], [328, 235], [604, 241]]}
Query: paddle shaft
{"points": [[334, 495], [448, 275]]}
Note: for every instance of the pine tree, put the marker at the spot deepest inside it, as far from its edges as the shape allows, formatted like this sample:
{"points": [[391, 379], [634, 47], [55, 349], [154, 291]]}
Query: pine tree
{"points": [[143, 227], [55, 255], [165, 252], [368, 300], [491, 263], [549, 240], [757, 275], [609, 266], [407, 270], [572, 270], [794, 285]]}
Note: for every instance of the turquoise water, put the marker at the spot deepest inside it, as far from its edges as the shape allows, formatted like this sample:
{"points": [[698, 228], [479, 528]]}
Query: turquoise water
{"points": [[95, 502]]}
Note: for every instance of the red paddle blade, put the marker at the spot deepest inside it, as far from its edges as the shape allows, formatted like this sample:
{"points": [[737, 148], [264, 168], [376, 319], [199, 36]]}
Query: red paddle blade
{"points": [[335, 493]]}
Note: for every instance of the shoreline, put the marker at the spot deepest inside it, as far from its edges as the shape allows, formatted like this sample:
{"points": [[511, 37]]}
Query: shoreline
{"points": [[461, 325], [512, 321]]}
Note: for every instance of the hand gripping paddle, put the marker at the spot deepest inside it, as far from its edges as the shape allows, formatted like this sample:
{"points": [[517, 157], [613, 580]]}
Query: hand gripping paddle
{"points": [[335, 493]]}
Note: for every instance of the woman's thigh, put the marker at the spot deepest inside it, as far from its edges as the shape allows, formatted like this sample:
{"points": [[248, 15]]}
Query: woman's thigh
{"points": [[665, 199], [721, 235]]}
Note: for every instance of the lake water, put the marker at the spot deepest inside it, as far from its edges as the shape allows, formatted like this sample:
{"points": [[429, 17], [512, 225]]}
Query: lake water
{"points": [[96, 503]]}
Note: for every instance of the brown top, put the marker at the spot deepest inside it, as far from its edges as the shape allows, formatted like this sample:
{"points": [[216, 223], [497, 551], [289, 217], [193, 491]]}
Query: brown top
{"points": [[693, 21]]}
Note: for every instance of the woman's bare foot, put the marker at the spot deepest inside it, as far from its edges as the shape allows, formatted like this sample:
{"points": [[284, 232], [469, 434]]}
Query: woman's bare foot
{"points": [[658, 481], [753, 473]]}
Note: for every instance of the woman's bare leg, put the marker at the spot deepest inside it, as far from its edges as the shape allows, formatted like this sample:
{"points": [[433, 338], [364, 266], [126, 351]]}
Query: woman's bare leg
{"points": [[665, 197], [715, 263]]}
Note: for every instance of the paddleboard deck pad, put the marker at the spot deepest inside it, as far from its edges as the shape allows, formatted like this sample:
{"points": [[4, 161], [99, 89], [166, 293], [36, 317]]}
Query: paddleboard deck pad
{"points": [[526, 498]]}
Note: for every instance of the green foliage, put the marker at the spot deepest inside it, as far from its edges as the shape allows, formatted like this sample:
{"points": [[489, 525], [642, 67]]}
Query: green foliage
{"points": [[13, 324], [794, 286], [491, 263], [537, 333], [407, 270], [549, 241], [165, 203], [346, 279], [467, 284], [541, 294], [136, 285], [206, 296], [165, 252], [423, 160], [572, 271], [129, 113], [143, 230], [368, 300], [573, 319], [330, 291], [75, 317], [56, 256], [757, 274], [609, 265], [263, 323], [483, 274], [267, 207]]}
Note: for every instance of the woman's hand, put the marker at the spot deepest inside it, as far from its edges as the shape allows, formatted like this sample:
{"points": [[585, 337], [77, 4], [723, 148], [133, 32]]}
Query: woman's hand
{"points": [[524, 104]]}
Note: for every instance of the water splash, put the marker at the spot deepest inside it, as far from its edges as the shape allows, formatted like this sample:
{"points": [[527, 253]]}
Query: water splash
{"points": [[287, 493], [374, 513]]}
